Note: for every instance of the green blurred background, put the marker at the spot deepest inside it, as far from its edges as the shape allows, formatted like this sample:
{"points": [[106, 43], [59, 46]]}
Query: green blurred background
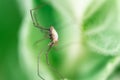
{"points": [[10, 21], [95, 65]]}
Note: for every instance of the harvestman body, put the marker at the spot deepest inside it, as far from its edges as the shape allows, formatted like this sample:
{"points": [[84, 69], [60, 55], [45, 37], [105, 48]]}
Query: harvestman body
{"points": [[51, 34]]}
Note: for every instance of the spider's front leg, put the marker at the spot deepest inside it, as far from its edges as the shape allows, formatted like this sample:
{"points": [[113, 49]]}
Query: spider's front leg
{"points": [[34, 18]]}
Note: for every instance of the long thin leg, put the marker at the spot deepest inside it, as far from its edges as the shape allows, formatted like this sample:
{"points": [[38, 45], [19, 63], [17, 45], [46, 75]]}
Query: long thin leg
{"points": [[34, 19], [49, 63], [38, 62], [48, 53], [45, 37]]}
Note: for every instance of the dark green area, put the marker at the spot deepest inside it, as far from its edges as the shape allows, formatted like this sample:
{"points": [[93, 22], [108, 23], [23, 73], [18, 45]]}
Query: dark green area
{"points": [[10, 20]]}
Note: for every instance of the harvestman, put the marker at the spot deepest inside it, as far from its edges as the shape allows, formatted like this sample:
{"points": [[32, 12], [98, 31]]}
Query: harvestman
{"points": [[52, 35]]}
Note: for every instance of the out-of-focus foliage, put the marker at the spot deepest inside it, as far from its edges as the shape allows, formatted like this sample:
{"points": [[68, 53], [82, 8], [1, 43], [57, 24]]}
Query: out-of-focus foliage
{"points": [[89, 44], [10, 21], [88, 48], [101, 26]]}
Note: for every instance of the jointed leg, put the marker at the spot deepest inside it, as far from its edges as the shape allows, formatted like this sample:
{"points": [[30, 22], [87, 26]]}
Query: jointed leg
{"points": [[38, 68], [49, 63], [48, 53], [38, 62], [34, 18], [45, 37]]}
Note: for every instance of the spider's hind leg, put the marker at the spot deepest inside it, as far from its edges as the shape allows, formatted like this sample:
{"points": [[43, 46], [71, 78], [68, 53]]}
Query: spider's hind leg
{"points": [[48, 63], [38, 64]]}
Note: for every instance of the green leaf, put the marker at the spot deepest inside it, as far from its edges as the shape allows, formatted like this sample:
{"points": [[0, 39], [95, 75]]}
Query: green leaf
{"points": [[102, 29]]}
